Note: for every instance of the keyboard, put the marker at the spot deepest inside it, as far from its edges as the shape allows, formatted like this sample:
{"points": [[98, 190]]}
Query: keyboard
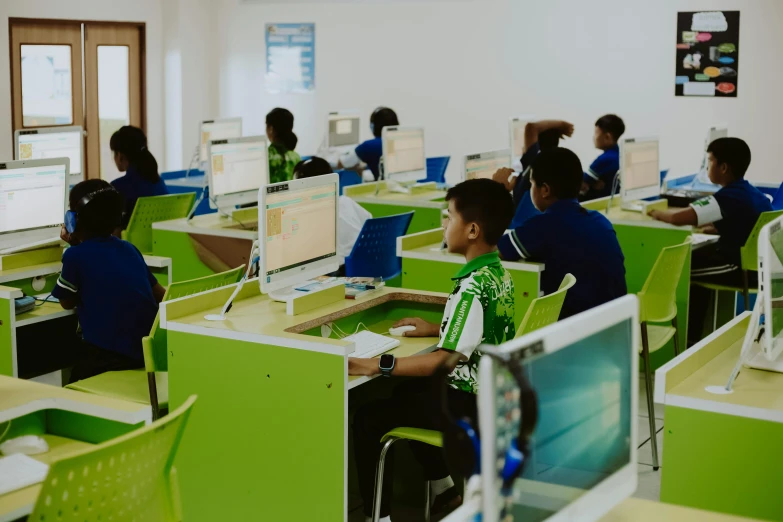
{"points": [[20, 471], [369, 344]]}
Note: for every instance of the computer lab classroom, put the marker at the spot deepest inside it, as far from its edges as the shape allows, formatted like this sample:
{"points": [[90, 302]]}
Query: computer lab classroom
{"points": [[391, 260]]}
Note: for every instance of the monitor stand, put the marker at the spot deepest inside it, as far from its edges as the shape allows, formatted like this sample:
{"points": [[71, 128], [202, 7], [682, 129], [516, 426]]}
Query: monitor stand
{"points": [[396, 186], [285, 295], [632, 206]]}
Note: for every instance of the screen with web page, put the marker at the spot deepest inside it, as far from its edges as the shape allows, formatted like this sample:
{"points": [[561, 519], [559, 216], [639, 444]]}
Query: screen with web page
{"points": [[32, 198], [640, 165], [218, 130], [47, 145], [485, 165], [301, 226], [238, 167], [405, 151]]}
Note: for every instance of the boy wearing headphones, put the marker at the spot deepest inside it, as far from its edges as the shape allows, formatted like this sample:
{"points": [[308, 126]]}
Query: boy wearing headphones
{"points": [[107, 281], [370, 151]]}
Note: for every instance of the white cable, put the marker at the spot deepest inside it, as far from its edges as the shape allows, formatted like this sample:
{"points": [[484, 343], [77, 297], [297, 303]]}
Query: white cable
{"points": [[7, 428], [341, 333], [615, 188]]}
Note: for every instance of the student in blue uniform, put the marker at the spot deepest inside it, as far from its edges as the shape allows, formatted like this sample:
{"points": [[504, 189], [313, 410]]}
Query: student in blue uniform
{"points": [[107, 281], [141, 179], [732, 212], [370, 151], [599, 178], [567, 238]]}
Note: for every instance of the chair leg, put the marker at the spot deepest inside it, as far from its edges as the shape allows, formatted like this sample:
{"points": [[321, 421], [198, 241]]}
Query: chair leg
{"points": [[376, 505], [746, 290], [676, 337], [153, 386], [427, 501], [649, 389]]}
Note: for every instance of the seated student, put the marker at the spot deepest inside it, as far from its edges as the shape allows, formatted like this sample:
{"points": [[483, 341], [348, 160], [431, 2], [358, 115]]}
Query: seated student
{"points": [[107, 281], [732, 212], [282, 157], [351, 216], [479, 310], [370, 151], [599, 178], [567, 238], [141, 179]]}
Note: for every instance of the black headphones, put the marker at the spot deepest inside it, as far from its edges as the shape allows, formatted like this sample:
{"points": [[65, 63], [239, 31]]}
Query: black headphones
{"points": [[72, 216]]}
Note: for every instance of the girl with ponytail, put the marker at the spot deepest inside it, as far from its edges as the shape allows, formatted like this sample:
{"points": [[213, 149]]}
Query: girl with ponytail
{"points": [[282, 158], [141, 179]]}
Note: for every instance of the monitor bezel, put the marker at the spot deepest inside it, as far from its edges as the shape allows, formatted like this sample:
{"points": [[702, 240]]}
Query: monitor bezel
{"points": [[650, 191], [53, 130], [502, 153], [512, 124], [768, 348], [412, 175], [232, 199]]}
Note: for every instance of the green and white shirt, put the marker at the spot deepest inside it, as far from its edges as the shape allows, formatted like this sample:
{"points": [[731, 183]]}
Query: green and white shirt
{"points": [[281, 163], [479, 310]]}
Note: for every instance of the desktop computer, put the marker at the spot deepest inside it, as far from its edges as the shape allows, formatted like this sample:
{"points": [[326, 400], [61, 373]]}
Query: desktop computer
{"points": [[33, 201], [236, 170], [342, 131], [640, 177], [223, 129], [52, 142], [404, 159], [484, 165]]}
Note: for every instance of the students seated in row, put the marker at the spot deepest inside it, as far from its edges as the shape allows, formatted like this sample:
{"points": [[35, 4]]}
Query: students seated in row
{"points": [[371, 151], [479, 310], [732, 212], [141, 179], [567, 238], [282, 140], [107, 281], [599, 178], [351, 216]]}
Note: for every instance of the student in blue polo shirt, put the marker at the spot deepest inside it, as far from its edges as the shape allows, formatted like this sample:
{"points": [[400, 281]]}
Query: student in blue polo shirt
{"points": [[732, 212], [370, 151], [599, 178], [567, 238], [107, 281], [141, 179]]}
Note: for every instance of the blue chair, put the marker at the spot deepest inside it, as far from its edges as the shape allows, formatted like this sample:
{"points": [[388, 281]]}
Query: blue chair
{"points": [[436, 169], [375, 252], [777, 201], [348, 178]]}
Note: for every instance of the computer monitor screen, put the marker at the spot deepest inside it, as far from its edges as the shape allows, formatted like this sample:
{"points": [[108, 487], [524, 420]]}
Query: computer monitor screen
{"points": [[771, 286], [343, 130], [238, 168], [403, 154], [55, 142], [32, 195], [218, 130], [298, 222], [640, 174], [484, 165], [517, 135]]}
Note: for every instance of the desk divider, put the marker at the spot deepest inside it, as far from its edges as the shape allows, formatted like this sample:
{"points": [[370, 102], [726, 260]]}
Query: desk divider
{"points": [[364, 189], [31, 258], [658, 204], [420, 188], [186, 306], [316, 299], [418, 240], [245, 215], [600, 203]]}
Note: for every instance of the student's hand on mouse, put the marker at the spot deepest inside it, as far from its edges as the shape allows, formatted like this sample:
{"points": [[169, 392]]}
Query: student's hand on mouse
{"points": [[423, 328], [655, 214], [502, 176], [368, 367], [709, 229]]}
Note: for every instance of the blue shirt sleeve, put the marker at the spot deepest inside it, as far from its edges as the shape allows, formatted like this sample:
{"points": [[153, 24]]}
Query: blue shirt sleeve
{"points": [[529, 155], [524, 242], [603, 168], [368, 151], [69, 282]]}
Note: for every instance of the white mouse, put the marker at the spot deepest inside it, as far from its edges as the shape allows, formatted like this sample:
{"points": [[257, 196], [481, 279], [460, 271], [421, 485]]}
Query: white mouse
{"points": [[400, 330], [26, 445]]}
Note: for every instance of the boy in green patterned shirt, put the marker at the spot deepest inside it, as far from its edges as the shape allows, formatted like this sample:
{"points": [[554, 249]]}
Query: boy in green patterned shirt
{"points": [[479, 310]]}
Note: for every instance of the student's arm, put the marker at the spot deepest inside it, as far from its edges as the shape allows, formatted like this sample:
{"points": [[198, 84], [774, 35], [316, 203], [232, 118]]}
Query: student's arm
{"points": [[678, 217], [525, 242], [702, 212], [533, 129], [67, 304], [67, 288], [414, 366]]}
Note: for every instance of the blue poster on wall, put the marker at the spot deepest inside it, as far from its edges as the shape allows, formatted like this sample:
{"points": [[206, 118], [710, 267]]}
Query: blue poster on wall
{"points": [[290, 58]]}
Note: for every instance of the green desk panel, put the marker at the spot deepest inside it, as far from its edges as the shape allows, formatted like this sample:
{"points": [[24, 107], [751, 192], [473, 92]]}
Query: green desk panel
{"points": [[185, 263]]}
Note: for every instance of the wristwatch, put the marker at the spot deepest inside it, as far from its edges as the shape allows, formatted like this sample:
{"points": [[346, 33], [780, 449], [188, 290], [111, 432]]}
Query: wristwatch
{"points": [[386, 364]]}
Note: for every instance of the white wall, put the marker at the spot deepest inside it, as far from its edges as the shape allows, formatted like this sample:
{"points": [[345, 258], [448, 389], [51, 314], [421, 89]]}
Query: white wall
{"points": [[463, 69]]}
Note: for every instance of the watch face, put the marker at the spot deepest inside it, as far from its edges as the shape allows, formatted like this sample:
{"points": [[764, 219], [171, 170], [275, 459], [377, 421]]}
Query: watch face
{"points": [[387, 362]]}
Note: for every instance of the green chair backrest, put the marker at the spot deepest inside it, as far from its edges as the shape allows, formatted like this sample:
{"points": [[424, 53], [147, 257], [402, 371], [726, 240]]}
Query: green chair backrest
{"points": [[750, 252], [545, 310], [658, 298], [124, 479], [154, 345], [154, 209]]}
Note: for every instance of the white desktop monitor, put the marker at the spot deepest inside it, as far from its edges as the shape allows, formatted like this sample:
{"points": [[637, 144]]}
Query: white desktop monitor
{"points": [[223, 129], [583, 458], [297, 223], [640, 175], [342, 130], [403, 154], [484, 165], [33, 201], [716, 132], [771, 287], [51, 142], [517, 136], [236, 169]]}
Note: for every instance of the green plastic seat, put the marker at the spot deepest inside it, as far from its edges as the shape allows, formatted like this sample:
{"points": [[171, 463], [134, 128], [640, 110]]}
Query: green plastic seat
{"points": [[150, 384], [658, 304], [545, 310], [154, 209], [430, 437], [124, 479]]}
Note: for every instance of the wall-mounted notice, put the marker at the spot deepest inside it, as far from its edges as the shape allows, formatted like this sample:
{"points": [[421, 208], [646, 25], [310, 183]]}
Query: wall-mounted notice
{"points": [[290, 58], [707, 54]]}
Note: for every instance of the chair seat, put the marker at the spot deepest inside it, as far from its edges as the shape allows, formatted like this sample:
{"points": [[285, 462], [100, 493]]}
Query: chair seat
{"points": [[431, 437], [658, 336], [129, 385], [726, 288]]}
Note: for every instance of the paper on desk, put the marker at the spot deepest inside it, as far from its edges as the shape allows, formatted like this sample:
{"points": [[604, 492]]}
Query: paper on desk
{"points": [[20, 471]]}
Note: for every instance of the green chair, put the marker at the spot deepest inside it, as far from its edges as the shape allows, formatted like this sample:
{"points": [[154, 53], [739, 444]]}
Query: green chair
{"points": [[749, 255], [124, 479], [545, 310], [154, 209], [658, 304], [141, 386]]}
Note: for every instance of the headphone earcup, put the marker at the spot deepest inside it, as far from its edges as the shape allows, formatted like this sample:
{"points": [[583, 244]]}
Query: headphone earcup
{"points": [[70, 221], [462, 448]]}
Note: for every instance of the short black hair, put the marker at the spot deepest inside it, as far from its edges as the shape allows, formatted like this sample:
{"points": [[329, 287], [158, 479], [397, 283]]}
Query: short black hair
{"points": [[612, 124], [382, 117], [549, 139], [312, 167], [561, 170], [485, 202], [734, 152], [102, 215]]}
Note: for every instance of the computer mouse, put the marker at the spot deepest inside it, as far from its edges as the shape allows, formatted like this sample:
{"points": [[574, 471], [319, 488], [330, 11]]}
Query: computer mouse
{"points": [[400, 330], [26, 445]]}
